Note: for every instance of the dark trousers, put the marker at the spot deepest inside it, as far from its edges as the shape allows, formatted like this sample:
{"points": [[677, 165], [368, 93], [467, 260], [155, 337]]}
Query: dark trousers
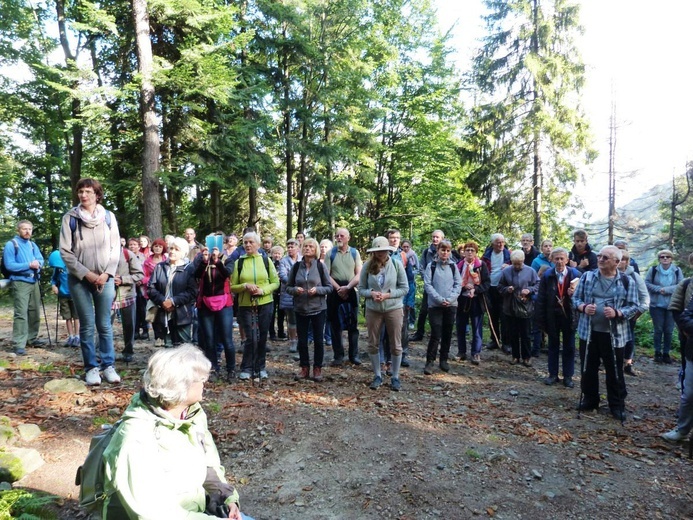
{"points": [[316, 324], [518, 330], [334, 302], [629, 350], [127, 319], [476, 319], [140, 313], [599, 348], [423, 314], [441, 320], [217, 327], [497, 321], [255, 322], [562, 327]]}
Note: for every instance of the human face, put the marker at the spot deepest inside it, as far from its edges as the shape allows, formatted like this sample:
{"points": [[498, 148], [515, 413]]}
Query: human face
{"points": [[623, 264], [87, 198], [189, 235], [381, 256], [517, 264], [267, 245], [665, 260], [607, 262], [498, 245], [341, 238], [196, 391], [436, 238], [469, 254], [444, 253], [394, 239], [560, 260], [292, 250], [580, 244], [25, 230], [323, 249], [134, 246], [251, 247], [157, 249], [300, 237], [174, 254], [144, 243], [526, 243], [309, 251], [406, 246], [232, 241], [546, 248]]}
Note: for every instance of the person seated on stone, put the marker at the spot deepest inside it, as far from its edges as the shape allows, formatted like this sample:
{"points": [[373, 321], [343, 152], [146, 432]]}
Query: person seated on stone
{"points": [[162, 461]]}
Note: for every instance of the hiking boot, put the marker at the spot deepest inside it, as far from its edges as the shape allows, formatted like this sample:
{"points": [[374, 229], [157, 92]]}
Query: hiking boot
{"points": [[405, 362], [20, 351], [587, 407], [666, 359], [111, 375], [674, 436], [92, 377], [230, 375], [476, 359], [355, 361], [658, 357], [428, 369], [444, 365], [395, 385], [551, 380], [416, 337], [304, 374], [127, 358], [317, 374], [619, 415], [628, 369], [462, 356], [337, 363], [568, 382], [39, 343], [377, 381]]}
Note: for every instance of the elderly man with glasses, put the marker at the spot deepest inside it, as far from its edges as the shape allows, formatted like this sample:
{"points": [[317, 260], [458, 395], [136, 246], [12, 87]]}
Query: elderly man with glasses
{"points": [[606, 299]]}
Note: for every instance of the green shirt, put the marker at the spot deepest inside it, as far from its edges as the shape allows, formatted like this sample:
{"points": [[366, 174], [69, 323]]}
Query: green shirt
{"points": [[344, 267]]}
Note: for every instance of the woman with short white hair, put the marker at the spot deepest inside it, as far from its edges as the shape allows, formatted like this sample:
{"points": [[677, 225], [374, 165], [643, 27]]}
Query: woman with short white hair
{"points": [[162, 461], [173, 289]]}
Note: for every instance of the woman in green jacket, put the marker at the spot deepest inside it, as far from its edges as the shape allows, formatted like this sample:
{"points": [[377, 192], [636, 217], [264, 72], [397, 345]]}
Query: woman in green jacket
{"points": [[254, 280], [162, 461]]}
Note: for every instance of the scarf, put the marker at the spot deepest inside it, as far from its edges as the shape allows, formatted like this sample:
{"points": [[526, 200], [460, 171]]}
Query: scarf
{"points": [[469, 272], [92, 219]]}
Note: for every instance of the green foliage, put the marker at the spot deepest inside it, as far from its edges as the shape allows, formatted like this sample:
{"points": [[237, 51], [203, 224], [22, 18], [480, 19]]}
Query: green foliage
{"points": [[23, 505]]}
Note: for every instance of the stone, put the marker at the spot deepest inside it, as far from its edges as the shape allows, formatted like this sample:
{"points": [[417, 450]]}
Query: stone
{"points": [[70, 386], [15, 463], [7, 434], [29, 432]]}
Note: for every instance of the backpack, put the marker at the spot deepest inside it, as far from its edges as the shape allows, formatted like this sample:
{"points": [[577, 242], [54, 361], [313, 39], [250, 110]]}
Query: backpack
{"points": [[265, 261], [321, 269], [3, 268], [653, 271], [90, 475], [77, 223], [333, 254]]}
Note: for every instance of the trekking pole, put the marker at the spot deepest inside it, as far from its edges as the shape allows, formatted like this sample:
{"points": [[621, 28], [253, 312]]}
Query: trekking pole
{"points": [[43, 306], [621, 399], [254, 336], [490, 321], [57, 318]]}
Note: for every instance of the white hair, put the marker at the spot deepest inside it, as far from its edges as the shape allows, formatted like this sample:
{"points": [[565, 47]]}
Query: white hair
{"points": [[171, 372], [496, 236], [181, 244], [618, 254], [558, 250], [518, 254], [252, 236]]}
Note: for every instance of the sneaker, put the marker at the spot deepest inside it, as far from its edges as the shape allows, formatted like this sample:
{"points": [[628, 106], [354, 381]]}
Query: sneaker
{"points": [[127, 358], [68, 342], [76, 342], [674, 436], [159, 342], [39, 343], [20, 351], [263, 374], [230, 375], [377, 381], [476, 359], [411, 326], [551, 380], [405, 362], [444, 365], [666, 359], [111, 375], [337, 363], [658, 357], [92, 378], [395, 385], [428, 369], [568, 382], [244, 376]]}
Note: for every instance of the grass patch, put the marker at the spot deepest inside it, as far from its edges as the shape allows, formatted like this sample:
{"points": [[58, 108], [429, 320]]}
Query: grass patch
{"points": [[472, 454], [100, 421], [46, 368], [4, 363], [213, 407]]}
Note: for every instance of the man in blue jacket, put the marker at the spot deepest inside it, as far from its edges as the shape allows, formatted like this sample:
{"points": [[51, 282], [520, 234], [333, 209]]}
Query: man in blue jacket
{"points": [[23, 260]]}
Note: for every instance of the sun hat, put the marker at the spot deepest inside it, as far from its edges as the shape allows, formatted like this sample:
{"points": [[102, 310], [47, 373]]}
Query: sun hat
{"points": [[380, 244]]}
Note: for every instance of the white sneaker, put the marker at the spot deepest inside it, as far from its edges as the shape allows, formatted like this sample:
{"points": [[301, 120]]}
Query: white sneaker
{"points": [[244, 376], [263, 374], [93, 378], [673, 436], [111, 375]]}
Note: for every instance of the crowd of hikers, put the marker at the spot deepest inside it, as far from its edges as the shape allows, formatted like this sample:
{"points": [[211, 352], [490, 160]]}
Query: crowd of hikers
{"points": [[177, 291]]}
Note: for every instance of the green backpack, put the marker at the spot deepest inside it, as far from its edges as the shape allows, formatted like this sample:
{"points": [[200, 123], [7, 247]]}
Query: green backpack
{"points": [[90, 475]]}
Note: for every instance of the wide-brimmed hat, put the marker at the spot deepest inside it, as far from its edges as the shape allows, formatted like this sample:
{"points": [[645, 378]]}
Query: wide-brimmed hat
{"points": [[380, 244]]}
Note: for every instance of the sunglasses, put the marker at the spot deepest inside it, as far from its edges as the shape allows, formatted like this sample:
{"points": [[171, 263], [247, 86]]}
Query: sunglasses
{"points": [[664, 256]]}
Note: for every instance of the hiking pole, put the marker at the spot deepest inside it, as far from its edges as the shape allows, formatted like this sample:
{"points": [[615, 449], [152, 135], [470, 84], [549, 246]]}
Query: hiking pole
{"points": [[490, 321], [57, 318], [43, 306], [621, 384], [583, 362], [254, 329]]}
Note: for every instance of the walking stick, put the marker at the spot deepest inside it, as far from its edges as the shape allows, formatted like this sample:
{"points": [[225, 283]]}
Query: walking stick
{"points": [[254, 337], [621, 399], [57, 317], [583, 362], [45, 317], [490, 321]]}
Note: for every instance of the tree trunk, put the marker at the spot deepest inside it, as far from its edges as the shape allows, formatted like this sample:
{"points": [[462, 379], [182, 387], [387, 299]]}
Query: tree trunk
{"points": [[537, 174], [150, 153]]}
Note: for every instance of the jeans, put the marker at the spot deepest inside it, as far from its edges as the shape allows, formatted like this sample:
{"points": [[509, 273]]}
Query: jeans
{"points": [[663, 322], [217, 327], [462, 319], [316, 324], [685, 421], [94, 311], [518, 330], [255, 321], [27, 313], [598, 348], [441, 320], [563, 327]]}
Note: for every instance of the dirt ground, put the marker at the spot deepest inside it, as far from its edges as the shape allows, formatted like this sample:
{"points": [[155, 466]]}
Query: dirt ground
{"points": [[481, 441]]}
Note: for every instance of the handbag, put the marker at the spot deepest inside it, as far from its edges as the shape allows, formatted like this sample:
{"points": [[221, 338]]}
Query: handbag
{"points": [[215, 303], [521, 308], [151, 312]]}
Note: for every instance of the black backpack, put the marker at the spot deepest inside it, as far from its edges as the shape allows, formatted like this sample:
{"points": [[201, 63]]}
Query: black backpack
{"points": [[3, 268]]}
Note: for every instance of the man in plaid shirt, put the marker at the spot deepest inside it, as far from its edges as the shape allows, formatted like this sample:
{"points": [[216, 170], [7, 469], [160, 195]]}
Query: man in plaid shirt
{"points": [[606, 300]]}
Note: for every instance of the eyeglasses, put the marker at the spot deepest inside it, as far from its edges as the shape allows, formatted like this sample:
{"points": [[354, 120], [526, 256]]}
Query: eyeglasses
{"points": [[604, 257], [470, 250], [664, 256]]}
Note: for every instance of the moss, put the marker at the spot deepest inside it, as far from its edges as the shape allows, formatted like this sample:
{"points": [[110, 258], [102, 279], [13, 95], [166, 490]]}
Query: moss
{"points": [[7, 433], [11, 468]]}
